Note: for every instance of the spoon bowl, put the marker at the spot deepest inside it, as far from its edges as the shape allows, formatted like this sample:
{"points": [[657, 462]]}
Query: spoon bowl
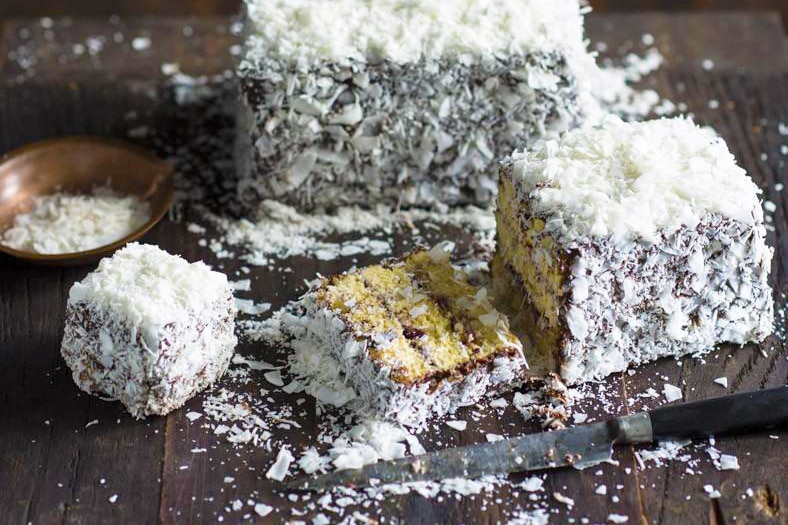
{"points": [[78, 165]]}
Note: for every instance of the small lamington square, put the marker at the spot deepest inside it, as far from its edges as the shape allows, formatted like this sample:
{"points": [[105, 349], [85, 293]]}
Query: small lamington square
{"points": [[401, 101], [627, 242], [149, 329], [414, 337]]}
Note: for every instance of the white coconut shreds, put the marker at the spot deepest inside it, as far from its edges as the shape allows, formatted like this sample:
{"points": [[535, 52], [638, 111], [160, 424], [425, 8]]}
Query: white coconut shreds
{"points": [[281, 466], [246, 415], [534, 517], [672, 392], [68, 223], [308, 32], [635, 180], [408, 31], [281, 231], [664, 452]]}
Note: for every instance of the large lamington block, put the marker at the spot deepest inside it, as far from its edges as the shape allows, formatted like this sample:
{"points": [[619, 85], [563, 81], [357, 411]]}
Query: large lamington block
{"points": [[414, 337], [400, 101], [149, 329], [629, 242]]}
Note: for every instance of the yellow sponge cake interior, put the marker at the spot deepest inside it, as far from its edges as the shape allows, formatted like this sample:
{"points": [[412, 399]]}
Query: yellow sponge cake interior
{"points": [[529, 269], [425, 320]]}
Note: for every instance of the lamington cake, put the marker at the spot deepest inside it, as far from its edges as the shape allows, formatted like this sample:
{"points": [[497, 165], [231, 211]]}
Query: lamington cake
{"points": [[414, 337], [149, 329], [400, 101], [628, 242]]}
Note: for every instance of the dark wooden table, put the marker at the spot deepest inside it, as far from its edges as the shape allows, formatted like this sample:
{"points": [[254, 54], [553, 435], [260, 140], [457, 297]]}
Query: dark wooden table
{"points": [[52, 466]]}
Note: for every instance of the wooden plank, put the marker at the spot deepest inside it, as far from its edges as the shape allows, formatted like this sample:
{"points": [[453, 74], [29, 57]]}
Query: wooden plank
{"points": [[142, 461], [104, 48], [750, 109], [685, 40], [689, 5], [52, 465], [87, 8]]}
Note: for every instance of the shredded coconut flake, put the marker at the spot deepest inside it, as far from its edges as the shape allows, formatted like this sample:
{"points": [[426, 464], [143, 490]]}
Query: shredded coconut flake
{"points": [[281, 466], [671, 392], [457, 425], [569, 502], [281, 231], [262, 509], [728, 462], [250, 307], [141, 43], [711, 491], [532, 484]]}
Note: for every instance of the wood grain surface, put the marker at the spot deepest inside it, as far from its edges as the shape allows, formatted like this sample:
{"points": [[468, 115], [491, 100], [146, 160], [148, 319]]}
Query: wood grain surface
{"points": [[54, 469]]}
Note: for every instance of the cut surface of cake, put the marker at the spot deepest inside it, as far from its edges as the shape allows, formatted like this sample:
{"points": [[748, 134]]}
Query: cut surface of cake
{"points": [[627, 242], [149, 329], [400, 101], [414, 337]]}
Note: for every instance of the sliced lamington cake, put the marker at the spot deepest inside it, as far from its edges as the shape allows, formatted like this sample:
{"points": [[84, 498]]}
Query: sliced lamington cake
{"points": [[401, 101], [414, 337], [149, 329], [629, 242]]}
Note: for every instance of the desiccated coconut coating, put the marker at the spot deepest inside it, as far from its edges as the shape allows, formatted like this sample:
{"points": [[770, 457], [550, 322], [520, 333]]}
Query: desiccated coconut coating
{"points": [[414, 337], [629, 242], [343, 109], [149, 329]]}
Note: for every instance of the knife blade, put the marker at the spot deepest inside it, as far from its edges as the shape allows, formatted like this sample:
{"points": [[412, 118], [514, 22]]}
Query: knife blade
{"points": [[580, 447]]}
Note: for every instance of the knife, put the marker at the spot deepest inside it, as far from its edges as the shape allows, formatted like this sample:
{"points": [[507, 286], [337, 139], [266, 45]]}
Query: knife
{"points": [[580, 447]]}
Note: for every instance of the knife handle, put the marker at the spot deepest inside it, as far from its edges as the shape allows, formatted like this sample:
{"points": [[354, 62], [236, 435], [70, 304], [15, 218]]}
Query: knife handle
{"points": [[749, 411]]}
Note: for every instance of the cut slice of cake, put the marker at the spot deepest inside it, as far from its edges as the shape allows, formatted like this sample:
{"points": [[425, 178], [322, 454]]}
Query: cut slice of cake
{"points": [[414, 337], [149, 329], [628, 242], [401, 101]]}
